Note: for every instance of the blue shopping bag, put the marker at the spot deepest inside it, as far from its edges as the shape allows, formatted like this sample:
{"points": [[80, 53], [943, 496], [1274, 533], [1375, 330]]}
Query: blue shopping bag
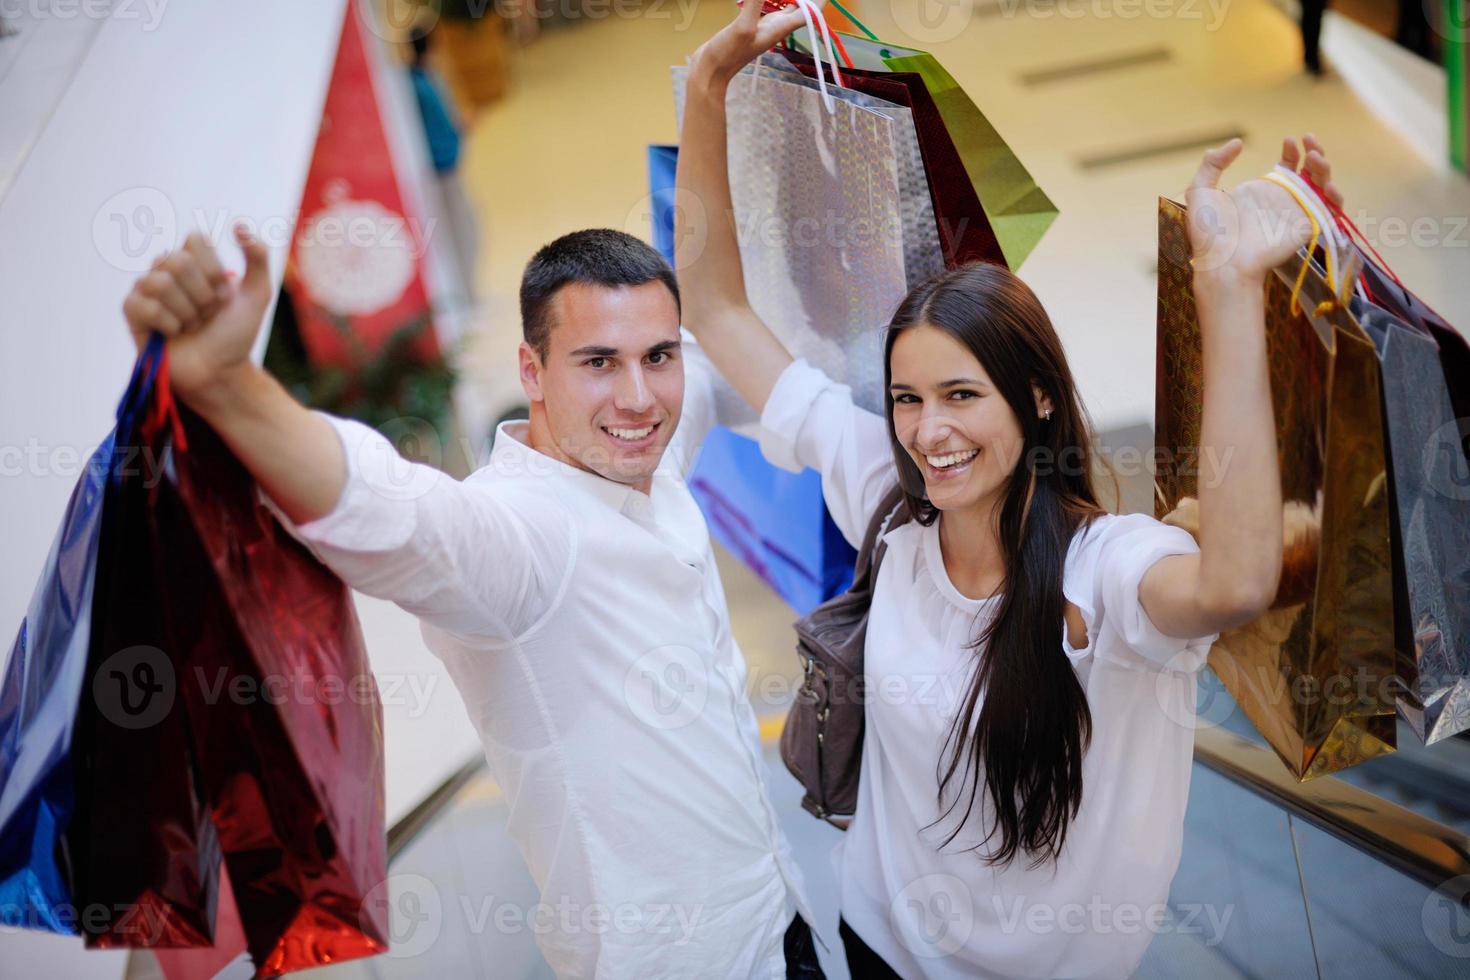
{"points": [[41, 694], [774, 521]]}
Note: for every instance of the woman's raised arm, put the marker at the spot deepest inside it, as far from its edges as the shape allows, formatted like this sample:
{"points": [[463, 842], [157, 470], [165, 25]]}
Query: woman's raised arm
{"points": [[1238, 237], [707, 253]]}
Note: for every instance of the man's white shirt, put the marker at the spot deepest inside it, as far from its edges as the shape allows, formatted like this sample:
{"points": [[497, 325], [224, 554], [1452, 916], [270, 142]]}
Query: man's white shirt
{"points": [[585, 625]]}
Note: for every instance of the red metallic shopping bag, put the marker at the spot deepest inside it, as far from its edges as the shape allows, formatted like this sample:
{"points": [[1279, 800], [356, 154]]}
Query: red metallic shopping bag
{"points": [[282, 708]]}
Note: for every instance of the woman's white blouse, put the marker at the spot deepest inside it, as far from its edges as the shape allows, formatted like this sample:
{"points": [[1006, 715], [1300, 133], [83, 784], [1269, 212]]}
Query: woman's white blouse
{"points": [[935, 912]]}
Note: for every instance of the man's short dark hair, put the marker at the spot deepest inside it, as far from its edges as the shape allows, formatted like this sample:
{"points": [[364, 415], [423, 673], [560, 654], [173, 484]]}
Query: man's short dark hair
{"points": [[597, 257]]}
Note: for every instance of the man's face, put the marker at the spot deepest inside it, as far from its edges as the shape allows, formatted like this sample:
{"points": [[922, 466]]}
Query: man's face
{"points": [[612, 384]]}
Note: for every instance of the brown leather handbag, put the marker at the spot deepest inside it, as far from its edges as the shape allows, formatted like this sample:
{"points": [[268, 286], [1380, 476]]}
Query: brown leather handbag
{"points": [[822, 743]]}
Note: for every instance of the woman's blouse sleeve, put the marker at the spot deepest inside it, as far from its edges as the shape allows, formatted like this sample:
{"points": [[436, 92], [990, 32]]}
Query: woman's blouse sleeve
{"points": [[810, 420], [1103, 577]]}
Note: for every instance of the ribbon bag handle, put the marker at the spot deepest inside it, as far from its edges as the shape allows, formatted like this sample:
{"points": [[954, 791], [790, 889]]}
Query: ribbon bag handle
{"points": [[148, 402], [855, 22], [1351, 230], [140, 386], [809, 11], [1335, 244]]}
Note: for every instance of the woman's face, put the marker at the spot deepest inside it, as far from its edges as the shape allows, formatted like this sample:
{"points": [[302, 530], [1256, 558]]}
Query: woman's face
{"points": [[953, 422]]}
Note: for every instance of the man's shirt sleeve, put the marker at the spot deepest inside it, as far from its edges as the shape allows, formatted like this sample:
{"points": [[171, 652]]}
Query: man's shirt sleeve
{"points": [[453, 553]]}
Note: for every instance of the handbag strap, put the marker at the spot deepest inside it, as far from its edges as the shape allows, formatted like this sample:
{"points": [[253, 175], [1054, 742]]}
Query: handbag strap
{"points": [[891, 513]]}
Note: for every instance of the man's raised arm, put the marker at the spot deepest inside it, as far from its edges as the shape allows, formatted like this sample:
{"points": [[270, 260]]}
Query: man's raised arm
{"points": [[211, 324], [452, 554]]}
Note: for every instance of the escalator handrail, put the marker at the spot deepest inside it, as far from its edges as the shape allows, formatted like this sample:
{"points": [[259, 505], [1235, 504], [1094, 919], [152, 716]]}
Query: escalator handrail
{"points": [[1419, 847], [1423, 849], [416, 821]]}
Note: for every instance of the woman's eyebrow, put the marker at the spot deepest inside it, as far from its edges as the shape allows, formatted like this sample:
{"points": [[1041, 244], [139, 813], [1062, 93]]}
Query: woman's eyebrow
{"points": [[952, 383]]}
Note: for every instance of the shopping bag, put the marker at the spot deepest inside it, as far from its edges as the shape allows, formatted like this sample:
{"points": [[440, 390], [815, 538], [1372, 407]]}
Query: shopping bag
{"points": [[663, 166], [1386, 291], [1431, 527], [962, 227], [283, 713], [1425, 365], [1314, 673], [775, 522], [816, 201], [1019, 210], [923, 254], [144, 853], [207, 962], [38, 707]]}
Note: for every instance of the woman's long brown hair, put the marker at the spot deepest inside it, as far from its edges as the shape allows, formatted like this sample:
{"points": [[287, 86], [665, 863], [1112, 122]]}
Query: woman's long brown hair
{"points": [[1034, 724]]}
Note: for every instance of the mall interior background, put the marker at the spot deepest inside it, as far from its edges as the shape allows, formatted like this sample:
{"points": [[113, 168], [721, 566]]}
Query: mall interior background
{"points": [[210, 111]]}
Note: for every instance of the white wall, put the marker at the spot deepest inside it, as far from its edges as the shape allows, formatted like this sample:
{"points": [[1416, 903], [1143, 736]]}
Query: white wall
{"points": [[208, 117], [1404, 90], [206, 107]]}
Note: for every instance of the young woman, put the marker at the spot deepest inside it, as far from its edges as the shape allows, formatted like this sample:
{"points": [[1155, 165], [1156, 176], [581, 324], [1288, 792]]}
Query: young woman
{"points": [[1031, 658]]}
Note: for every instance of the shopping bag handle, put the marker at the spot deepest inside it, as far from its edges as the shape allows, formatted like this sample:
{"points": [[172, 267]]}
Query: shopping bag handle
{"points": [[855, 23], [149, 392], [809, 9], [771, 6], [1363, 243], [140, 386], [1352, 231], [1334, 241], [165, 411]]}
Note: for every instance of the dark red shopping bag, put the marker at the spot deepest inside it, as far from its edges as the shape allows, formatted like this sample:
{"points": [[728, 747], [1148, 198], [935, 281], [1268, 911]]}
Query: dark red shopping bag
{"points": [[142, 851], [205, 963], [229, 711], [283, 713], [965, 234]]}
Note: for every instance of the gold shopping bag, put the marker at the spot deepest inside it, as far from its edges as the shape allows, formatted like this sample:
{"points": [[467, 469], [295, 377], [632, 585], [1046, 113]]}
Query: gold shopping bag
{"points": [[1315, 673]]}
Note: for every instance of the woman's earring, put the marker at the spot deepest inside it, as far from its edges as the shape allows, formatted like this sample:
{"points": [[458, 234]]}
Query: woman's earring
{"points": [[1046, 415]]}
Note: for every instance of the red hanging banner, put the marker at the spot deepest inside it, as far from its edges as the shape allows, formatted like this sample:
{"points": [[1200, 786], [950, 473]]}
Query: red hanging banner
{"points": [[356, 271]]}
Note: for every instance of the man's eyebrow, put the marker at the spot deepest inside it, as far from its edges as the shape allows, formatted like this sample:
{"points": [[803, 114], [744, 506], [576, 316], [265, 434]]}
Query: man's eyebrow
{"points": [[594, 350]]}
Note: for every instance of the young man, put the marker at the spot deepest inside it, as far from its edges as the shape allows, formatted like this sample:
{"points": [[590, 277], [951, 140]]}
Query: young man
{"points": [[568, 585]]}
